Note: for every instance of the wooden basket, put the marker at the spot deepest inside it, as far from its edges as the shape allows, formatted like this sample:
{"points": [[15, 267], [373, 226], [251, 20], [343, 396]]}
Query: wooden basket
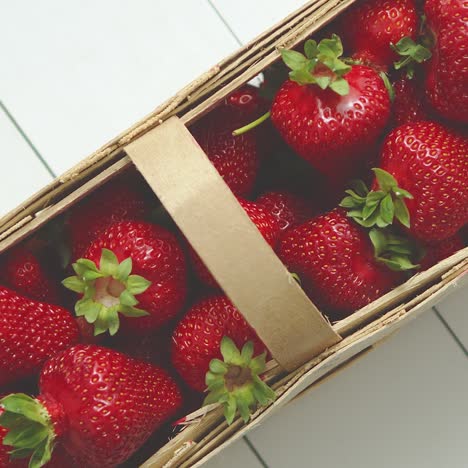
{"points": [[305, 346]]}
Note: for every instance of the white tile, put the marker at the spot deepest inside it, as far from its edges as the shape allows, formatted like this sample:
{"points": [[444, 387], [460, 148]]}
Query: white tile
{"points": [[403, 405], [454, 309], [80, 72], [22, 171], [248, 19], [235, 456]]}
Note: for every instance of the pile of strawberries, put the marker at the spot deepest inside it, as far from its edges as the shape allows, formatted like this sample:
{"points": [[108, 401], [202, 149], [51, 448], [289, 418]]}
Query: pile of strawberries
{"points": [[356, 176]]}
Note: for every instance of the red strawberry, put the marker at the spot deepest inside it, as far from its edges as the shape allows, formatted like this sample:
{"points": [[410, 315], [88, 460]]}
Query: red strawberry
{"points": [[86, 331], [425, 163], [437, 251], [369, 28], [100, 404], [245, 100], [130, 264], [408, 105], [335, 128], [267, 224], [335, 262], [447, 77], [289, 209], [119, 200], [237, 159], [197, 337], [30, 333], [22, 271]]}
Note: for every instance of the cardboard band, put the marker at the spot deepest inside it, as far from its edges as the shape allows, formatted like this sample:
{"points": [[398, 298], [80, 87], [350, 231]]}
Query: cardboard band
{"points": [[230, 245]]}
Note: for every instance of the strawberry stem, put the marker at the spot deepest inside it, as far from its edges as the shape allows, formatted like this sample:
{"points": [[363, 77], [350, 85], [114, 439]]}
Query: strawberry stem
{"points": [[235, 382], [252, 125]]}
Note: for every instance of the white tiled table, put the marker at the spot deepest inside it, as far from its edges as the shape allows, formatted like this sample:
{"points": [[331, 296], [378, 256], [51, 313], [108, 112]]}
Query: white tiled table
{"points": [[76, 73]]}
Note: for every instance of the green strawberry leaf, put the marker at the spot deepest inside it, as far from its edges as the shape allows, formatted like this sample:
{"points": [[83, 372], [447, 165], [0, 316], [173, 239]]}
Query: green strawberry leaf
{"points": [[401, 212], [31, 431], [340, 86], [235, 382], [106, 291], [380, 207], [304, 66], [310, 48], [395, 251]]}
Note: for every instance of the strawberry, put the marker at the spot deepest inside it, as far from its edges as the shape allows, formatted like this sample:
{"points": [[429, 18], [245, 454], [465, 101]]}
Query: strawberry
{"points": [[100, 404], [409, 103], [197, 337], [237, 159], [330, 113], [206, 355], [438, 251], [288, 208], [22, 270], [119, 200], [369, 28], [447, 74], [421, 182], [30, 333], [267, 224], [336, 264], [129, 264]]}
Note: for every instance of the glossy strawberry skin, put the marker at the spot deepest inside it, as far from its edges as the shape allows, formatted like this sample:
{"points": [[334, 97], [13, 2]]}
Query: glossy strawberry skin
{"points": [[157, 256], [196, 339], [334, 260], [409, 103], [369, 27], [119, 200], [22, 271], [431, 163], [438, 251], [30, 333], [104, 405], [447, 71], [333, 133], [236, 158], [266, 223], [288, 208]]}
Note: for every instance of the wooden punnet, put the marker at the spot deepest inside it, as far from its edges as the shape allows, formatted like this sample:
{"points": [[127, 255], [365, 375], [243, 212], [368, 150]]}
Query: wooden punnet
{"points": [[304, 345]]}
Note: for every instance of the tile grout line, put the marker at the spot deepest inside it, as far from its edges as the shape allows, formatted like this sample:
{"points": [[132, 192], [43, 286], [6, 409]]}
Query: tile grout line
{"points": [[255, 452], [450, 331], [223, 20], [26, 139]]}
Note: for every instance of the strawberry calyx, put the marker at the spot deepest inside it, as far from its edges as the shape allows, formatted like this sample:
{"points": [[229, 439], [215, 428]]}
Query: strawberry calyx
{"points": [[396, 252], [235, 382], [30, 429], [377, 207], [388, 85], [108, 290], [321, 65], [411, 54]]}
